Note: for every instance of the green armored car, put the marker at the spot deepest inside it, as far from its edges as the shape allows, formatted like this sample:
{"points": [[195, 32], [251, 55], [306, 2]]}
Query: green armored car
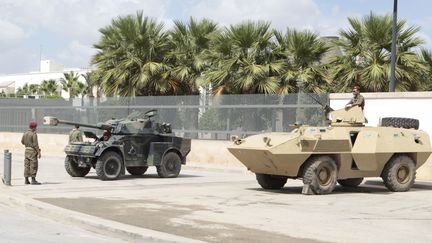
{"points": [[131, 144]]}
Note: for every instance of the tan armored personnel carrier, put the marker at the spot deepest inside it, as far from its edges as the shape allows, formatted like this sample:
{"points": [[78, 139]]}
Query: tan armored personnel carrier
{"points": [[346, 151]]}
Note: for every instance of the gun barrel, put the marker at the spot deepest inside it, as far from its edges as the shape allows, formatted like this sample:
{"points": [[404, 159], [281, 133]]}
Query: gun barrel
{"points": [[79, 124], [53, 121]]}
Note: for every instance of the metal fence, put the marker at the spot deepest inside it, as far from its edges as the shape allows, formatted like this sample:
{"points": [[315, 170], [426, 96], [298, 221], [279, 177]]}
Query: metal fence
{"points": [[202, 117]]}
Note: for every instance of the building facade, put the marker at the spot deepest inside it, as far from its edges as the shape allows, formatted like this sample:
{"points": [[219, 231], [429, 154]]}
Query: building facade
{"points": [[10, 83]]}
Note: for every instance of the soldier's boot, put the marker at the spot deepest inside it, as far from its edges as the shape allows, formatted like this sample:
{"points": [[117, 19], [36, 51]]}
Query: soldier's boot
{"points": [[34, 181], [26, 181]]}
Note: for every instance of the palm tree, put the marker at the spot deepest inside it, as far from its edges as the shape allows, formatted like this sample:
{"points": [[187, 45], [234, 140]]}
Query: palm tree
{"points": [[49, 88], [69, 83], [301, 53], [130, 58], [34, 89], [426, 56], [242, 61], [367, 53], [24, 90], [82, 89], [186, 57], [91, 81]]}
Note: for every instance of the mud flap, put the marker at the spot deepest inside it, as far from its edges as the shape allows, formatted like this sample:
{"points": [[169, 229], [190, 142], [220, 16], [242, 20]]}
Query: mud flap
{"points": [[307, 190]]}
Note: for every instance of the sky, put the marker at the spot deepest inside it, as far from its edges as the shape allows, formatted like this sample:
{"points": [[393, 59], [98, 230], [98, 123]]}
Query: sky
{"points": [[64, 31]]}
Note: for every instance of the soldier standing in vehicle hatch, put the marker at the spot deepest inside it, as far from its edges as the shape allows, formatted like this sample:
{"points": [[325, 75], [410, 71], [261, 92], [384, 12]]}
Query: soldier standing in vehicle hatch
{"points": [[357, 99], [75, 135], [31, 155]]}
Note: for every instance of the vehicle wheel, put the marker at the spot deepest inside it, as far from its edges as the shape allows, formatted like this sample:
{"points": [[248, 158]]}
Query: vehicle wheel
{"points": [[400, 122], [109, 166], [399, 173], [271, 181], [170, 166], [320, 173], [72, 168], [352, 182], [138, 170]]}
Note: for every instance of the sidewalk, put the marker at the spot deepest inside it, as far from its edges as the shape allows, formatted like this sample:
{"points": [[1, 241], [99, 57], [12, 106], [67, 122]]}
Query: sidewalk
{"points": [[94, 224], [54, 178]]}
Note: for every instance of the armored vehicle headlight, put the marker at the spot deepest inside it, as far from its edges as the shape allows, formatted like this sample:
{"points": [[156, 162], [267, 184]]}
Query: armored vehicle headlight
{"points": [[236, 140], [50, 121]]}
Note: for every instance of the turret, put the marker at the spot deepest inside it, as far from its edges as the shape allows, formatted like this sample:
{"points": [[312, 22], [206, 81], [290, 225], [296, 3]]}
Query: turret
{"points": [[135, 123], [352, 116]]}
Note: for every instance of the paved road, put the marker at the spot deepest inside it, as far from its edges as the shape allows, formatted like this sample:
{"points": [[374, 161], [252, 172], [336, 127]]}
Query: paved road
{"points": [[19, 226], [215, 206]]}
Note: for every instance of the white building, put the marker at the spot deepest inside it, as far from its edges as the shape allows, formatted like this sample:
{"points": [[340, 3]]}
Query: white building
{"points": [[10, 83]]}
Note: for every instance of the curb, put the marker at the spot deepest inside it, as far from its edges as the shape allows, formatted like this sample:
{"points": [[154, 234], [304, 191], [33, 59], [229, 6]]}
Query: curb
{"points": [[87, 222]]}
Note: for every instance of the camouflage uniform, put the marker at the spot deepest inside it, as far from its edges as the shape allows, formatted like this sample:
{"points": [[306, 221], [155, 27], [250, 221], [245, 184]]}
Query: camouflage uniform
{"points": [[30, 141], [357, 100], [75, 136]]}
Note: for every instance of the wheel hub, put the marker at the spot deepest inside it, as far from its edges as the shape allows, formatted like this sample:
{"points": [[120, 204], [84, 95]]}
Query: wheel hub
{"points": [[111, 167], [170, 165], [324, 176], [402, 174]]}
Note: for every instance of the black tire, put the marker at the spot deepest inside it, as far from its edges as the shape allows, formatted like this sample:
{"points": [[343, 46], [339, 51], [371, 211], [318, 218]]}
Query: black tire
{"points": [[351, 182], [399, 173], [72, 168], [109, 166], [137, 171], [400, 122], [271, 181], [320, 173], [170, 166]]}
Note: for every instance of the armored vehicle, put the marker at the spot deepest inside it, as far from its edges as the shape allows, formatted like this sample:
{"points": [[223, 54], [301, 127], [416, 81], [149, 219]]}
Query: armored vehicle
{"points": [[343, 152], [132, 143]]}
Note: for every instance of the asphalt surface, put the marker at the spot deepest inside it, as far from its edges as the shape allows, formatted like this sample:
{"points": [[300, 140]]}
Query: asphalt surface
{"points": [[214, 205]]}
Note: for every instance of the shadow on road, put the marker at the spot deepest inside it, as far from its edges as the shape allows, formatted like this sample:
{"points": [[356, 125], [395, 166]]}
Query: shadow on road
{"points": [[418, 186], [131, 177], [337, 190], [370, 186]]}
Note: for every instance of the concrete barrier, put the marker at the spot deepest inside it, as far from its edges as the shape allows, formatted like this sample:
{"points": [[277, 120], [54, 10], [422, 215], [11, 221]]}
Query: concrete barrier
{"points": [[208, 152]]}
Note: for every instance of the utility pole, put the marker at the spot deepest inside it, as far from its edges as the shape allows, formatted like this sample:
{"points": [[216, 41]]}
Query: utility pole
{"points": [[393, 50]]}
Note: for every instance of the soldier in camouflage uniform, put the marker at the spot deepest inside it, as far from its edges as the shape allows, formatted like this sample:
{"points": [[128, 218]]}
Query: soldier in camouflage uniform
{"points": [[75, 135], [357, 99], [32, 154]]}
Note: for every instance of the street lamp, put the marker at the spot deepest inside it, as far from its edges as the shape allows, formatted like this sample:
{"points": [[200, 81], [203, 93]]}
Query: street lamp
{"points": [[393, 49], [300, 112]]}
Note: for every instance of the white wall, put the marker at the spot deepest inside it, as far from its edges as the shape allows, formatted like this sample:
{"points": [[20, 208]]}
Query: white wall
{"points": [[399, 104]]}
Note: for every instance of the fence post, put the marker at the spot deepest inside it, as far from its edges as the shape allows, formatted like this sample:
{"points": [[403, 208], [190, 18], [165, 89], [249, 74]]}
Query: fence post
{"points": [[33, 114], [7, 167]]}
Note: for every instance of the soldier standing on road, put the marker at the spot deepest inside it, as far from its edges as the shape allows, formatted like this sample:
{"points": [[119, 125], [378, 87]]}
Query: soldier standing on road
{"points": [[75, 135], [357, 99], [32, 154]]}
